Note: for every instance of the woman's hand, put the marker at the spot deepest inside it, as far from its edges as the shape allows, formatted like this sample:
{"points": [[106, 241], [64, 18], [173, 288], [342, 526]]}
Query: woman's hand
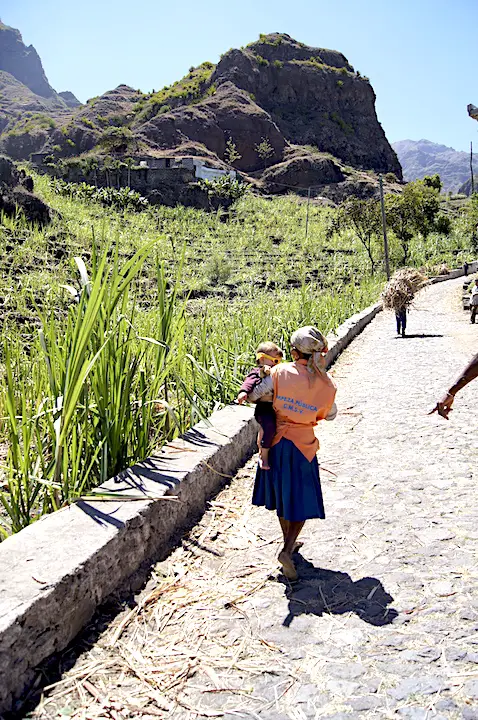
{"points": [[242, 398], [444, 406]]}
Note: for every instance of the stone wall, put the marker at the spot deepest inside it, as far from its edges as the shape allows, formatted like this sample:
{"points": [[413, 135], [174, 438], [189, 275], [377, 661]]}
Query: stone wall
{"points": [[143, 180]]}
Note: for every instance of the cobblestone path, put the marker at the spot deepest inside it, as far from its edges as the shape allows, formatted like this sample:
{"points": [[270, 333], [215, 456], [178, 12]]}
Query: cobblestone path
{"points": [[383, 621]]}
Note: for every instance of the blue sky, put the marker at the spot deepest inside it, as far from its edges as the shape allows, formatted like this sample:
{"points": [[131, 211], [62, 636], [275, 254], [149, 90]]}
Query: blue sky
{"points": [[419, 55]]}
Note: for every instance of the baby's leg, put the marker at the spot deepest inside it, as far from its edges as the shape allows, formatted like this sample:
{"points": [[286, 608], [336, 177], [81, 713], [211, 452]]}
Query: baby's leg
{"points": [[260, 437], [264, 458], [268, 425]]}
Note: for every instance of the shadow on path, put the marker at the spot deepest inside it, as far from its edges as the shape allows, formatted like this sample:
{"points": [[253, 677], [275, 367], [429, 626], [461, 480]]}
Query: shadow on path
{"points": [[417, 335], [333, 592]]}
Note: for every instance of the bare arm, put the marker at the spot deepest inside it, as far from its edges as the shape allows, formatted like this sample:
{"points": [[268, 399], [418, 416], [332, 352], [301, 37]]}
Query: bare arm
{"points": [[469, 373]]}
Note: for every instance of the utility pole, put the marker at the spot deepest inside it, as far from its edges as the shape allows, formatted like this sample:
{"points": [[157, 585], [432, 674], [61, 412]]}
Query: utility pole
{"points": [[471, 169], [384, 227], [307, 215]]}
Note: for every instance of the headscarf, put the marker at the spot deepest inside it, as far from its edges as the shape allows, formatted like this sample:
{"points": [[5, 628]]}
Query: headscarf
{"points": [[310, 341]]}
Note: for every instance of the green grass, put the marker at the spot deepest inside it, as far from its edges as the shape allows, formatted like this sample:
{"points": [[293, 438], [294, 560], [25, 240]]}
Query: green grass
{"points": [[96, 374], [191, 88], [30, 122]]}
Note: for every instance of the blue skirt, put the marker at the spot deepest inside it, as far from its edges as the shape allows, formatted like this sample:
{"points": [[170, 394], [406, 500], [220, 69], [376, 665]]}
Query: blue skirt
{"points": [[291, 486]]}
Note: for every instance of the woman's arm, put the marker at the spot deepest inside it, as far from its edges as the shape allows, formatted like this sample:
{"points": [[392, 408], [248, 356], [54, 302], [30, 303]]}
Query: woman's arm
{"points": [[469, 373]]}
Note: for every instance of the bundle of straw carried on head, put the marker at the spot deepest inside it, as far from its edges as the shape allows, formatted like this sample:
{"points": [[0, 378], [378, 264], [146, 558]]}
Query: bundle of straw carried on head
{"points": [[401, 288]]}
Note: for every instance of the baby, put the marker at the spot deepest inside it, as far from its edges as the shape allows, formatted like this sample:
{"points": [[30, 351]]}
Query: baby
{"points": [[267, 355]]}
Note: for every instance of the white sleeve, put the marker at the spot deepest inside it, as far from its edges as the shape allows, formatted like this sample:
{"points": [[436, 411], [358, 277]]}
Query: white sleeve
{"points": [[333, 413], [265, 387]]}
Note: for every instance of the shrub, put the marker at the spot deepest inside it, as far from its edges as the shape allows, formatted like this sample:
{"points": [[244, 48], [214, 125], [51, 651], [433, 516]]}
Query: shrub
{"points": [[340, 83], [344, 126], [116, 139], [123, 199], [225, 187], [218, 269], [443, 224], [278, 64], [391, 177]]}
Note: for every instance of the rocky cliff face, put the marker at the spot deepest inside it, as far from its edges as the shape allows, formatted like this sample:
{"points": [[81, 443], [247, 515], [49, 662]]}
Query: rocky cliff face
{"points": [[23, 62], [24, 87], [69, 99], [314, 96], [422, 157]]}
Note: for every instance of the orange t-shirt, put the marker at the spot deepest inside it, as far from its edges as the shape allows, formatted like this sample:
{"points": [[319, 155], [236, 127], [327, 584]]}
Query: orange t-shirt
{"points": [[300, 401]]}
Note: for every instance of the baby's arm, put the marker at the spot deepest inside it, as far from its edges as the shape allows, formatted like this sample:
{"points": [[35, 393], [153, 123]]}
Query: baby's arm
{"points": [[250, 382], [265, 387]]}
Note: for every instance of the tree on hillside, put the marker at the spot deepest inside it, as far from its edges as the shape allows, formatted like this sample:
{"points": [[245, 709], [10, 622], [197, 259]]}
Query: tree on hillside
{"points": [[107, 167], [470, 221], [400, 220], [433, 181], [364, 218], [90, 165], [416, 210], [231, 155], [129, 162], [117, 165], [265, 150]]}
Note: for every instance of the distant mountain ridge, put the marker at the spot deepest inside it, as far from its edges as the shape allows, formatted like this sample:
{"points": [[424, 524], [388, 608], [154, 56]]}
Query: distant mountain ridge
{"points": [[423, 157], [20, 65]]}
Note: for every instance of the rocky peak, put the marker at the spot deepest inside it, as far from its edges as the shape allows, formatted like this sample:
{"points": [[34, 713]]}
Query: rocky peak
{"points": [[314, 96], [281, 47], [69, 98], [23, 62]]}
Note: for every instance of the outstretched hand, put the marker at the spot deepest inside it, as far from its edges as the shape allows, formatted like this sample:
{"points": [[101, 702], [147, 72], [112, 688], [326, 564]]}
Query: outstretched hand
{"points": [[444, 406]]}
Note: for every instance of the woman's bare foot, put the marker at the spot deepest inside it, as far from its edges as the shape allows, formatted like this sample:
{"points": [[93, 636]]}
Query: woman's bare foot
{"points": [[288, 567]]}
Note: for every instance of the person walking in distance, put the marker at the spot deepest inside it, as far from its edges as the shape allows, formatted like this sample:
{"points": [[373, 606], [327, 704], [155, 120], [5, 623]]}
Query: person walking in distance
{"points": [[474, 301], [401, 318]]}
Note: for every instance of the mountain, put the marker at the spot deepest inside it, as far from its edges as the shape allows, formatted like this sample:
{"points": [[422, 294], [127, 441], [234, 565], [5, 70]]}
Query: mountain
{"points": [[422, 157], [23, 62], [465, 189], [24, 86], [312, 112]]}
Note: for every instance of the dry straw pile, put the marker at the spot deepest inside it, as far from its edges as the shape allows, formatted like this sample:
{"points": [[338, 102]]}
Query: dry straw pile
{"points": [[401, 288]]}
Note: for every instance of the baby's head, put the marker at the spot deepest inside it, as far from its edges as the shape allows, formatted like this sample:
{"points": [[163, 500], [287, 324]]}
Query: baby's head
{"points": [[268, 353]]}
